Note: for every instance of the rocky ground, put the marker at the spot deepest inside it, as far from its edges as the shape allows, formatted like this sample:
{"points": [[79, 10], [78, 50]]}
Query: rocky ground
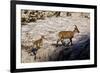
{"points": [[49, 27]]}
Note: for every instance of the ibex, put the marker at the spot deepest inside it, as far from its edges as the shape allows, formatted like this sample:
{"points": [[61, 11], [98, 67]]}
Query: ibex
{"points": [[38, 43], [67, 35]]}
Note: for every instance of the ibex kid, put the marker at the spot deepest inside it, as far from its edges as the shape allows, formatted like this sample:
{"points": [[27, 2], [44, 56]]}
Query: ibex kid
{"points": [[38, 43]]}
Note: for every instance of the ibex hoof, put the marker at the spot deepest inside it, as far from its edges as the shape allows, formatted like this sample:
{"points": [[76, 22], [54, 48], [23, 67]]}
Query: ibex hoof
{"points": [[71, 44], [57, 45]]}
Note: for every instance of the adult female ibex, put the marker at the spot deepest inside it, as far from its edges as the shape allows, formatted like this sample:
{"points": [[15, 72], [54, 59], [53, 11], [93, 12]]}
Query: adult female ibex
{"points": [[67, 35]]}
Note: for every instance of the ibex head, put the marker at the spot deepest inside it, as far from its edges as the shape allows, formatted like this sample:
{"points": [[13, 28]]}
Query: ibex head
{"points": [[76, 29], [43, 37]]}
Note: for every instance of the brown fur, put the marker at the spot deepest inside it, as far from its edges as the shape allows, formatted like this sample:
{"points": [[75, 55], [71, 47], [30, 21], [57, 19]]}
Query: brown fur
{"points": [[38, 43], [67, 35]]}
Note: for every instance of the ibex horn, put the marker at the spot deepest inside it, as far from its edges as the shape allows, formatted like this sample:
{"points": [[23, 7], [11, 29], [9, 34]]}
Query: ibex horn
{"points": [[75, 25]]}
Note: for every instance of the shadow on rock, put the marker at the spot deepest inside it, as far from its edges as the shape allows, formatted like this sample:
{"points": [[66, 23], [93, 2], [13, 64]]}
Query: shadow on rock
{"points": [[78, 51]]}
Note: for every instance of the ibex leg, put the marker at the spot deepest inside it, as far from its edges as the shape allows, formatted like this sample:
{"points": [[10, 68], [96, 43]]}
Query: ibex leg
{"points": [[71, 41], [58, 41], [62, 41]]}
